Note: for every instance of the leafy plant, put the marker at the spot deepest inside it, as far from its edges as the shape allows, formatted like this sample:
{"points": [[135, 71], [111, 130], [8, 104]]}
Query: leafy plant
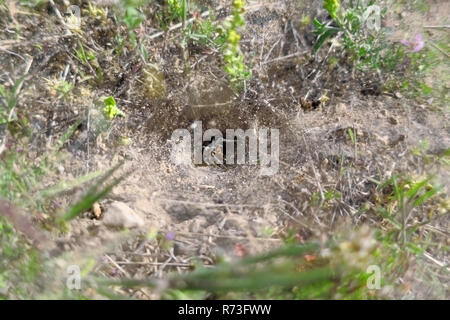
{"points": [[89, 60], [324, 32], [111, 110], [408, 195], [237, 71], [132, 17], [172, 12], [177, 9], [204, 33], [23, 184], [95, 193], [401, 237], [361, 36], [83, 56], [332, 6], [63, 87], [401, 66]]}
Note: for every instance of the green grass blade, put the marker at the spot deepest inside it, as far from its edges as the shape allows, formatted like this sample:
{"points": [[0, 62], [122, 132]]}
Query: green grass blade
{"points": [[425, 197], [63, 186], [93, 194]]}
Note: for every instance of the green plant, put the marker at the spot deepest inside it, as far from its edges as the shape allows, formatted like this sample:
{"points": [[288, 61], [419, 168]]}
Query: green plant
{"points": [[407, 195], [401, 66], [96, 192], [409, 206], [237, 71], [8, 101], [22, 266], [83, 56], [111, 110], [172, 12], [63, 87], [89, 60], [132, 17], [33, 3], [19, 263], [335, 269], [423, 70], [204, 33], [351, 135], [59, 87], [24, 186], [96, 12], [367, 44], [177, 9]]}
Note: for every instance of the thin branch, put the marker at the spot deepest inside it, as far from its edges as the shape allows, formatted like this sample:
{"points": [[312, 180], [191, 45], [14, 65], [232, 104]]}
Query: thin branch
{"points": [[438, 27], [285, 57]]}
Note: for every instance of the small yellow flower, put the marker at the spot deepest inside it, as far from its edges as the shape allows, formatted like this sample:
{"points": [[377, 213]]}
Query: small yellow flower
{"points": [[234, 37]]}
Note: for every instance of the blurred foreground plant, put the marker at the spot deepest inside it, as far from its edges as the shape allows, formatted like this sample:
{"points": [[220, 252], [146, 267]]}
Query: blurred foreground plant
{"points": [[237, 71]]}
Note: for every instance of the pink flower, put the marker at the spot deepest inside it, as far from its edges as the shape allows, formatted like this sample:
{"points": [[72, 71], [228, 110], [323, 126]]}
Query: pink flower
{"points": [[416, 45]]}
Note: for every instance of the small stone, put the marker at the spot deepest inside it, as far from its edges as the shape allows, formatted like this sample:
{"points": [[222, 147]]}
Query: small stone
{"points": [[97, 210], [393, 120], [120, 215], [359, 133], [305, 191], [398, 95], [339, 108], [383, 139]]}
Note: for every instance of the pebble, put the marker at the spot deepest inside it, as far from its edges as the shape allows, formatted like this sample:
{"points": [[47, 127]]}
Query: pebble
{"points": [[393, 120], [120, 215], [97, 210]]}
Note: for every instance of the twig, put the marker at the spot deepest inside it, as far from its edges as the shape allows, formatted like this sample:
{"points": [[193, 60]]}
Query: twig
{"points": [[439, 263], [27, 69], [115, 264], [285, 57], [12, 53], [217, 104], [440, 50], [226, 237], [209, 204], [271, 49], [437, 27], [169, 264], [58, 14]]}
